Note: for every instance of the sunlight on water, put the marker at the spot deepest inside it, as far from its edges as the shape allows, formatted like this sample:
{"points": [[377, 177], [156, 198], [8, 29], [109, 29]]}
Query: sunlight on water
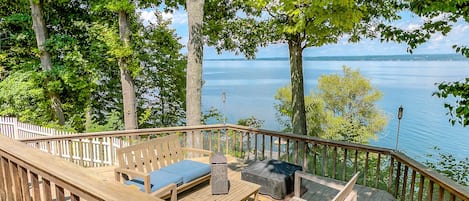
{"points": [[251, 85]]}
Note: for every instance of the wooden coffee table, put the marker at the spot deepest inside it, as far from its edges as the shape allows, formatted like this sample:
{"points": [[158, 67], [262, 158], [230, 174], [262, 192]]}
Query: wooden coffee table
{"points": [[239, 190]]}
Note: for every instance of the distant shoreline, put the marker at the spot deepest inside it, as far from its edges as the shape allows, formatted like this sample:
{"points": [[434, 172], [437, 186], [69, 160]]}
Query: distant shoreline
{"points": [[406, 57]]}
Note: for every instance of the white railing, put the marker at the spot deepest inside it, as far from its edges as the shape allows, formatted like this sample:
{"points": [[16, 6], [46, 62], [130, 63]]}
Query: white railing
{"points": [[11, 127]]}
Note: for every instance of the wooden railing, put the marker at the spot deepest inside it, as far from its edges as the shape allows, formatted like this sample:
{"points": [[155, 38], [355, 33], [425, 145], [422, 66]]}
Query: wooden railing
{"points": [[380, 168], [27, 174]]}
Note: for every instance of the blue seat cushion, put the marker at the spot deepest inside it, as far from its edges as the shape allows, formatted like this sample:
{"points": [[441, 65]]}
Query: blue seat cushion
{"points": [[158, 179], [189, 170]]}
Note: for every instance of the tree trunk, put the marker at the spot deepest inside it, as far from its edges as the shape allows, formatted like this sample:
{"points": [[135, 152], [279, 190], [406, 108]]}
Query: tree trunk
{"points": [[195, 13], [127, 82], [298, 96], [39, 27]]}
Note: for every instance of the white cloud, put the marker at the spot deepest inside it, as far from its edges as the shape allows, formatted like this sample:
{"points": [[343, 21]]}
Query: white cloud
{"points": [[177, 17], [147, 16]]}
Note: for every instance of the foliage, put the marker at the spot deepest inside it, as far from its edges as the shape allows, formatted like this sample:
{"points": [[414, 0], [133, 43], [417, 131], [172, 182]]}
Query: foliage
{"points": [[251, 121], [212, 115], [84, 49], [163, 72], [439, 16], [114, 122], [343, 108], [459, 90], [447, 164], [244, 25]]}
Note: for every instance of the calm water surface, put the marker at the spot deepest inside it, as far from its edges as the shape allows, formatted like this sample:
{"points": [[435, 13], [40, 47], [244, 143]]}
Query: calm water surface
{"points": [[250, 87]]}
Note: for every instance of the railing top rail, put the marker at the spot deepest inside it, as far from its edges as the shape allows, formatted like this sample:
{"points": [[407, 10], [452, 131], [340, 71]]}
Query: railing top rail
{"points": [[123, 133], [312, 139], [73, 176]]}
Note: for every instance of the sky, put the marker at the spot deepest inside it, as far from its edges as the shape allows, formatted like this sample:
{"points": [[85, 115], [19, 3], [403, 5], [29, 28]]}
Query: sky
{"points": [[438, 44]]}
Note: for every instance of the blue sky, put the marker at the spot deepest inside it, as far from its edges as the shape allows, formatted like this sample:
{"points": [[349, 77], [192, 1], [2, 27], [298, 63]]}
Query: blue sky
{"points": [[438, 44]]}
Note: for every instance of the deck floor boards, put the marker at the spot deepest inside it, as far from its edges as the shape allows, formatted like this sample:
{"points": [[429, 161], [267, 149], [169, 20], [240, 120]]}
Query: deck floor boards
{"points": [[314, 191]]}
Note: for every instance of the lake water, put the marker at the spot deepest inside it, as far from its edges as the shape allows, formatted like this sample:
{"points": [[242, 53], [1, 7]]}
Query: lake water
{"points": [[250, 87]]}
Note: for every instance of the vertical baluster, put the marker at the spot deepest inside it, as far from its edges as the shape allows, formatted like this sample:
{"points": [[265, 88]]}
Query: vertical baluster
{"points": [[324, 160], [305, 156], [248, 145], [355, 162], [241, 147], [80, 152], [378, 168], [59, 193], [60, 147], [365, 172], [422, 181], [278, 148], [24, 184], [74, 197], [49, 150], [210, 138], [287, 150], [35, 186], [334, 163], [344, 170], [46, 189], [70, 150], [412, 185], [219, 141], [101, 151], [271, 145], [8, 179], [227, 142], [263, 146], [391, 169], [404, 183], [315, 147], [2, 180], [441, 193], [234, 145], [398, 176], [295, 152], [255, 146], [16, 180], [91, 148], [112, 151], [452, 197], [430, 191]]}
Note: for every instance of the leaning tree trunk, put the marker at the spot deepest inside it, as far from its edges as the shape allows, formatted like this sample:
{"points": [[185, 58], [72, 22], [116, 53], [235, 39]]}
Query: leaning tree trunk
{"points": [[298, 96], [127, 82], [39, 27], [195, 13]]}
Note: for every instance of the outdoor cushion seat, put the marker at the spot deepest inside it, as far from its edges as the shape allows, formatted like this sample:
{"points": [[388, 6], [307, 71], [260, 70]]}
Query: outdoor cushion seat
{"points": [[158, 179], [188, 170]]}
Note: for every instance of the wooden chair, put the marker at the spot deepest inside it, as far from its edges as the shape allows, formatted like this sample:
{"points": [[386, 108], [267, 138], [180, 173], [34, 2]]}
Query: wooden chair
{"points": [[345, 194]]}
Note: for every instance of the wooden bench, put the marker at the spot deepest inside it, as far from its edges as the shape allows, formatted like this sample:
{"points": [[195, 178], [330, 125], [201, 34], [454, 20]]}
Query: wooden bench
{"points": [[137, 162], [345, 193]]}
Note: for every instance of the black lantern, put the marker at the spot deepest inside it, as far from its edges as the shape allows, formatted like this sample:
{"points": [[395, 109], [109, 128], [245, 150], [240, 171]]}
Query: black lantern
{"points": [[400, 112]]}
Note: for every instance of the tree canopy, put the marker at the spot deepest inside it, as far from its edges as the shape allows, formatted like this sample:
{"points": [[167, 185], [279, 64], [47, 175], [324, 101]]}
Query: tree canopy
{"points": [[343, 107], [85, 73]]}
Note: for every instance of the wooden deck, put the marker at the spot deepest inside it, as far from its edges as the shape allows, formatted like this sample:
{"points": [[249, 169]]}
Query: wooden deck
{"points": [[313, 191]]}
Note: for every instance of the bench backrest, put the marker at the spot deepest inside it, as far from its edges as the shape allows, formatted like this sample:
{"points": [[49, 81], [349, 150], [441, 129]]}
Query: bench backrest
{"points": [[347, 190], [151, 155]]}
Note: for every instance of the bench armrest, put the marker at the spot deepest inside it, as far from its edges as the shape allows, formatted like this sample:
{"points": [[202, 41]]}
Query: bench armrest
{"points": [[202, 151], [172, 188], [119, 172]]}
